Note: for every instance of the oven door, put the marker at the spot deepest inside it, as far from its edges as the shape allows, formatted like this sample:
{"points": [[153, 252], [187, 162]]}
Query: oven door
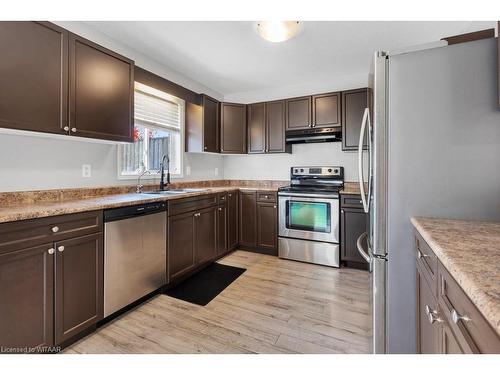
{"points": [[309, 217]]}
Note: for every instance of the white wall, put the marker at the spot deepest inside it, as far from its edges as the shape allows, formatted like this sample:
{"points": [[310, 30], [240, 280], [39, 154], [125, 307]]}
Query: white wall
{"points": [[30, 162], [36, 162], [277, 166]]}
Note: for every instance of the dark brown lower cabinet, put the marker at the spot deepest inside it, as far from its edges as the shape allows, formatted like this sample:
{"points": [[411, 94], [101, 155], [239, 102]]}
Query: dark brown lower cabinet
{"points": [[206, 235], [79, 285], [259, 221], [27, 298], [181, 240], [267, 219], [233, 204], [222, 234], [248, 218], [427, 337], [352, 224], [447, 321], [192, 234]]}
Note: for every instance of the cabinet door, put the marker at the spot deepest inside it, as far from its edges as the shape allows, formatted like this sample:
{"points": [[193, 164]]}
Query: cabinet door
{"points": [[257, 128], [232, 220], [354, 103], [79, 285], [33, 76], [298, 113], [427, 331], [210, 124], [353, 224], [222, 229], [267, 222], [26, 297], [205, 222], [248, 218], [448, 344], [275, 127], [233, 128], [326, 110], [101, 92], [180, 244]]}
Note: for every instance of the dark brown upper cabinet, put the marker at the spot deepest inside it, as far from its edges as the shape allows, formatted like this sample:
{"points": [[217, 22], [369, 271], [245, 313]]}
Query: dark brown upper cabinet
{"points": [[275, 127], [233, 128], [266, 128], [257, 128], [298, 113], [202, 125], [33, 77], [56, 82], [354, 103], [101, 92], [326, 110]]}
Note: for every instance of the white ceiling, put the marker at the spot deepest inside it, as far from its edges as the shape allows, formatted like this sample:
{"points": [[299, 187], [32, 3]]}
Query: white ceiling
{"points": [[229, 57]]}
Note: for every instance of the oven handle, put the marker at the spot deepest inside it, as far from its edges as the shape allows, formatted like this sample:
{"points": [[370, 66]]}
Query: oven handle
{"points": [[329, 196], [362, 252]]}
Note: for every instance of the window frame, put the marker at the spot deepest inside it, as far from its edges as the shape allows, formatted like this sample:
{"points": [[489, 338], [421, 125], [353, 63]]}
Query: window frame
{"points": [[153, 176]]}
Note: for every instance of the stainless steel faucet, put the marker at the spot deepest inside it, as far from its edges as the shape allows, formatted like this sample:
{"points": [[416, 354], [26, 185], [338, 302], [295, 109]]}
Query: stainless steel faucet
{"points": [[163, 185], [138, 190]]}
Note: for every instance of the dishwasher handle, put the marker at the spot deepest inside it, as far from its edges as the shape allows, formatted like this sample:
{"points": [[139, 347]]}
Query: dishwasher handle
{"points": [[122, 213]]}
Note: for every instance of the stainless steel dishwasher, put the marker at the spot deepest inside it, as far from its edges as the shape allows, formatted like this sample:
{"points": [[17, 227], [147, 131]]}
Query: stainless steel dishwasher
{"points": [[135, 253]]}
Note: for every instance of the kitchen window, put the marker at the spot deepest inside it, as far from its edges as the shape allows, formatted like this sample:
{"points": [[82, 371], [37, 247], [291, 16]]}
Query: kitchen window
{"points": [[158, 130]]}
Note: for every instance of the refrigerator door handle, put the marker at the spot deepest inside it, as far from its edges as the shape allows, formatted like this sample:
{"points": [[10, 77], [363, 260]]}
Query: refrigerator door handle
{"points": [[362, 252], [370, 158], [366, 116]]}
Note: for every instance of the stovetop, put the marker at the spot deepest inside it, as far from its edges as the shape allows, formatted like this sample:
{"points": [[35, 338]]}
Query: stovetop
{"points": [[327, 180]]}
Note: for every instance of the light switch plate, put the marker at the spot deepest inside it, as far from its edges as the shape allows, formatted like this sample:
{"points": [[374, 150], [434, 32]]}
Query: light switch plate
{"points": [[86, 170], [188, 170]]}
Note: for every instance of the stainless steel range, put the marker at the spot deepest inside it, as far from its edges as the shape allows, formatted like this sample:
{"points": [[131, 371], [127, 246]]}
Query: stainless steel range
{"points": [[309, 215]]}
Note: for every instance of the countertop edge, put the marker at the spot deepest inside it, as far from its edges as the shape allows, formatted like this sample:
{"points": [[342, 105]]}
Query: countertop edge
{"points": [[478, 297]]}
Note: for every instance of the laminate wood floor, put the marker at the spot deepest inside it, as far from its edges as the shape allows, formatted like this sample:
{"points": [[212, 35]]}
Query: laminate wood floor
{"points": [[276, 306]]}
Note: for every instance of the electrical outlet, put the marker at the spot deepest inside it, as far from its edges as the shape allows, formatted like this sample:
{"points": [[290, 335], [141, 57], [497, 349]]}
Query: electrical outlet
{"points": [[188, 170], [86, 170], [216, 171]]}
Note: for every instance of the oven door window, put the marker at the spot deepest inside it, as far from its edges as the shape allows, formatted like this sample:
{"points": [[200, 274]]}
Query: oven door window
{"points": [[309, 216]]}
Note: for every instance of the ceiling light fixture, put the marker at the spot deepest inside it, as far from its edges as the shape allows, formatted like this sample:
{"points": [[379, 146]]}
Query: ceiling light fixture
{"points": [[277, 31]]}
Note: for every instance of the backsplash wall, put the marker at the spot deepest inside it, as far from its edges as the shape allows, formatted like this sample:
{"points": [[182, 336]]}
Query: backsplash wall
{"points": [[34, 162], [277, 166]]}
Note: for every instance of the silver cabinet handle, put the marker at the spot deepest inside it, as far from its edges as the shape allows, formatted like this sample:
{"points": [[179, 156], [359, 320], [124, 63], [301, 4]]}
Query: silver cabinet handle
{"points": [[432, 315], [66, 128], [55, 229], [197, 214], [266, 196], [230, 194], [60, 249], [51, 251], [73, 130], [274, 206], [206, 147], [456, 317], [220, 208], [421, 255]]}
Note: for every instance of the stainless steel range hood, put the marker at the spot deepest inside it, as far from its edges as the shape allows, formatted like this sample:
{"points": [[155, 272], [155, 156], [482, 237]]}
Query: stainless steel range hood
{"points": [[314, 135]]}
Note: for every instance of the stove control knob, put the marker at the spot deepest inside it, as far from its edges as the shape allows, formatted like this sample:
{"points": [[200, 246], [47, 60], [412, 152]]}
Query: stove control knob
{"points": [[329, 169], [301, 169], [335, 171], [295, 171]]}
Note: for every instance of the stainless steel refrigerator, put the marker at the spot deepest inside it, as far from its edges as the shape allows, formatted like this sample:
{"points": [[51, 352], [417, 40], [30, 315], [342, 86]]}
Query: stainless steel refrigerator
{"points": [[434, 150]]}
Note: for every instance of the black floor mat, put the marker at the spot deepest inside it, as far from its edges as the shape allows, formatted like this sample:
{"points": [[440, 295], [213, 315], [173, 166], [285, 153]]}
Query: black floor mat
{"points": [[206, 284]]}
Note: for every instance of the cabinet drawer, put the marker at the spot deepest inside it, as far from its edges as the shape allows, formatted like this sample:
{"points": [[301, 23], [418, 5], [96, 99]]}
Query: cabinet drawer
{"points": [[352, 201], [182, 205], [472, 331], [27, 233], [266, 196], [427, 261]]}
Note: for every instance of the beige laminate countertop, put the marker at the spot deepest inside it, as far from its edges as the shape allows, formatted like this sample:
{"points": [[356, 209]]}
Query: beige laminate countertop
{"points": [[23, 211], [470, 251]]}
